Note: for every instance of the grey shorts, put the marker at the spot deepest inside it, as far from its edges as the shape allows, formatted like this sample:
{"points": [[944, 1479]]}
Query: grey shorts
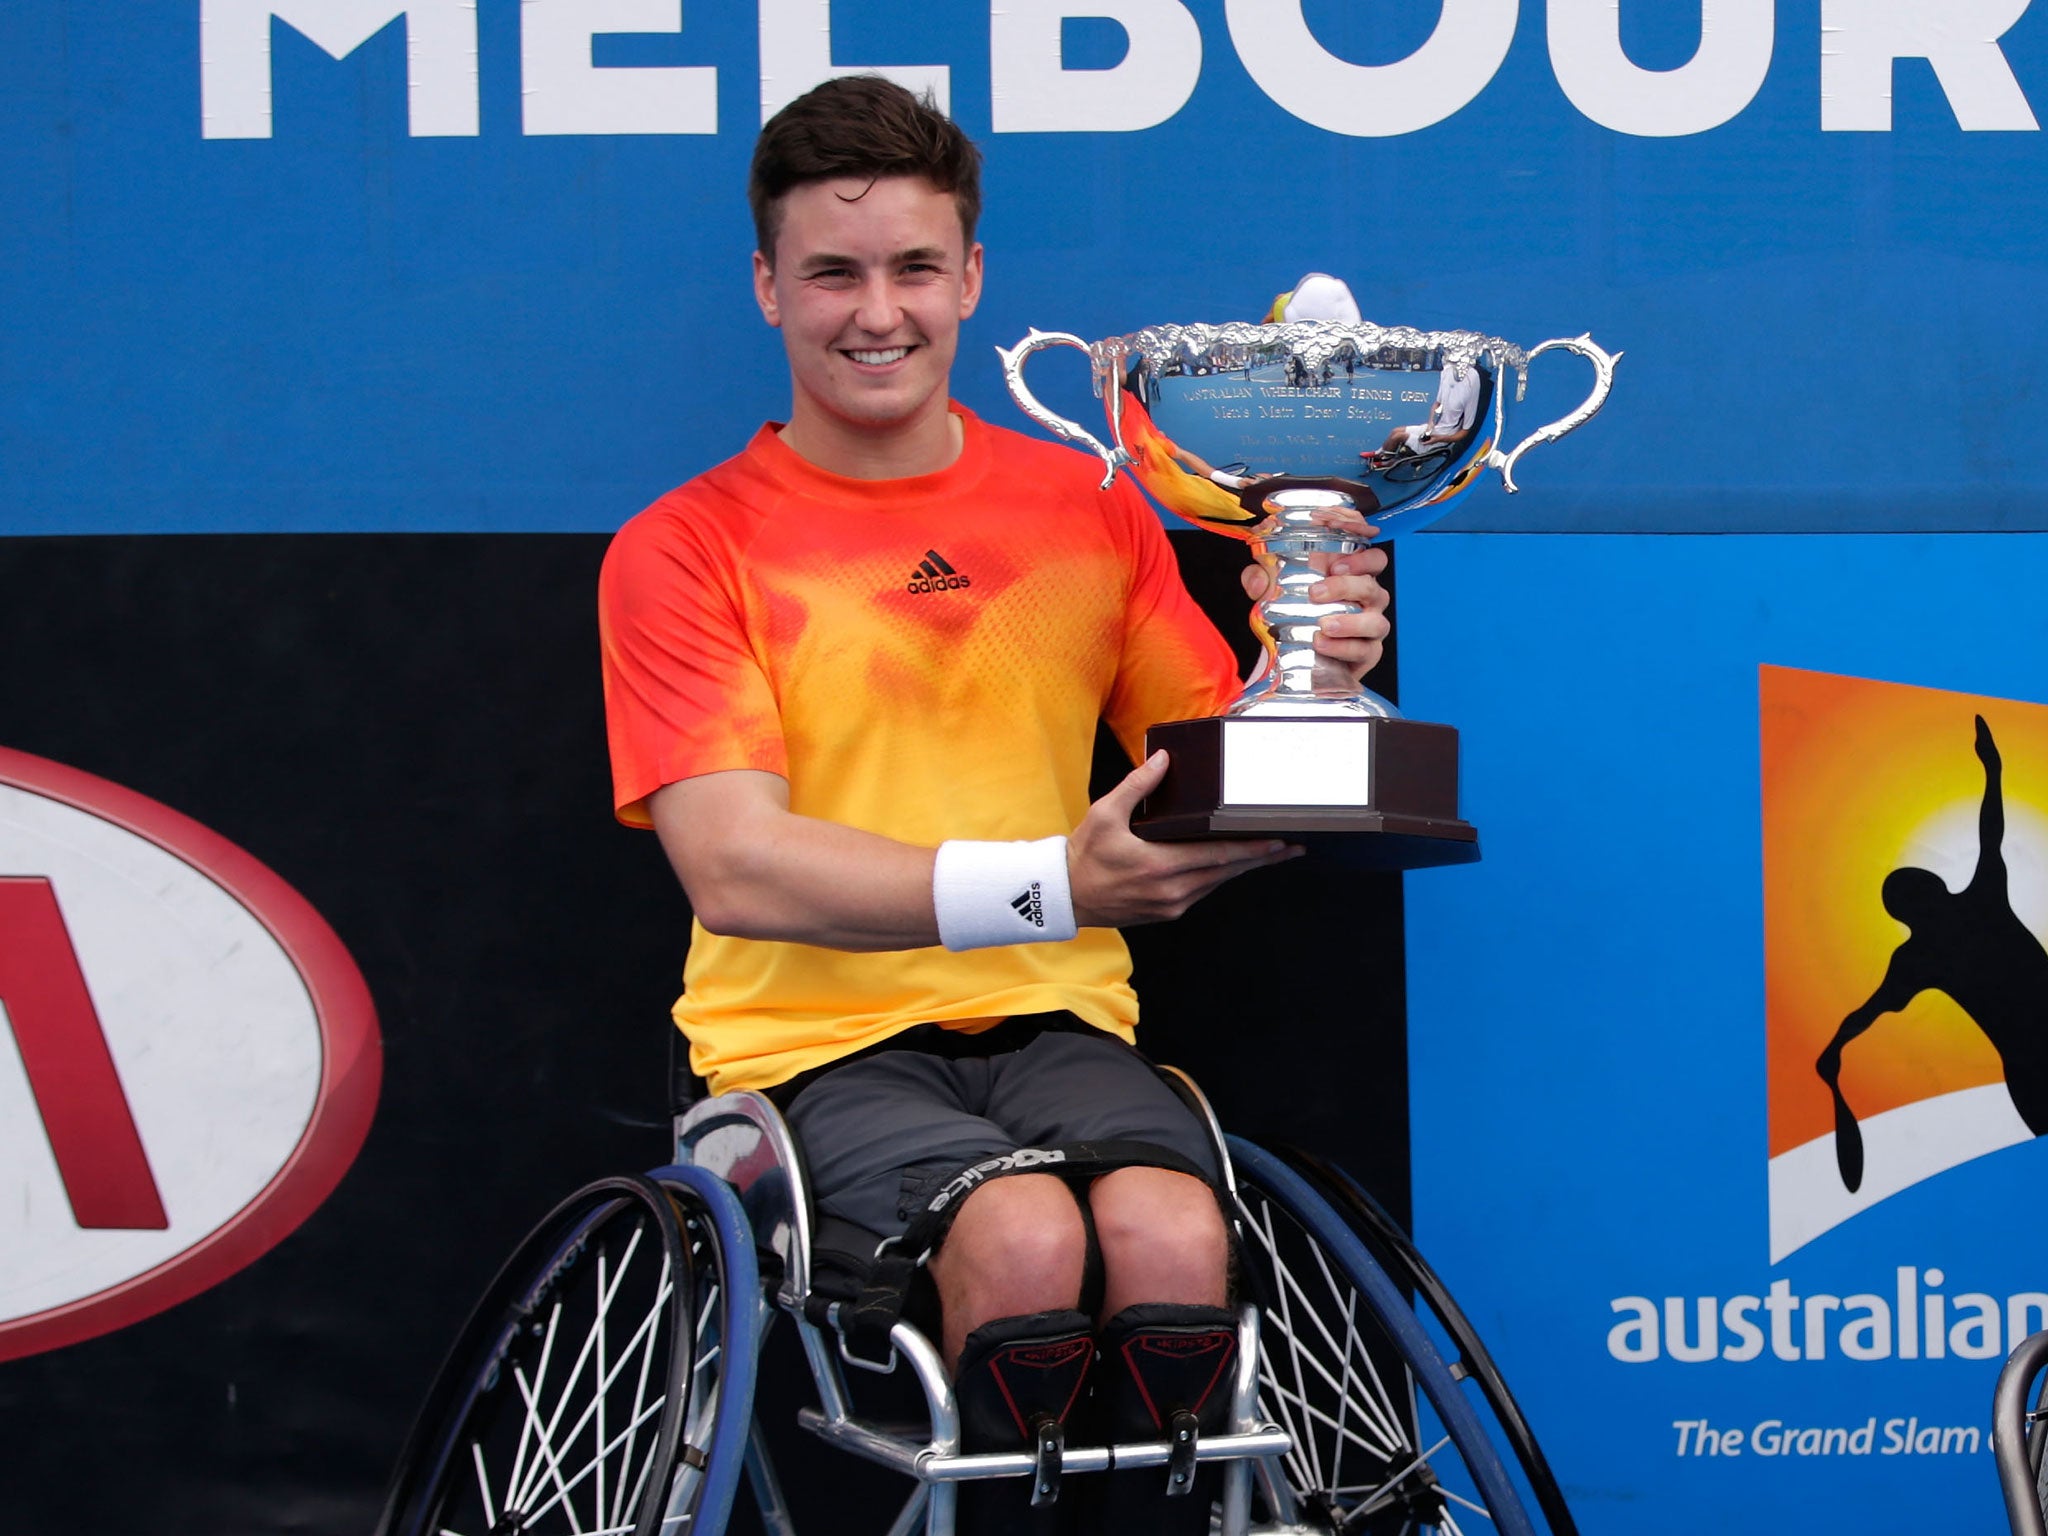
{"points": [[881, 1132]]}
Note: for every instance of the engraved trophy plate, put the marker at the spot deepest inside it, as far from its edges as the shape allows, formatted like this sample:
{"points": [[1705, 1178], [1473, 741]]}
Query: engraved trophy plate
{"points": [[1291, 437]]}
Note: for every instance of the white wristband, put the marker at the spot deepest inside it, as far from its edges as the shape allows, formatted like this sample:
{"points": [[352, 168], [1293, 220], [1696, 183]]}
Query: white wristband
{"points": [[1002, 893]]}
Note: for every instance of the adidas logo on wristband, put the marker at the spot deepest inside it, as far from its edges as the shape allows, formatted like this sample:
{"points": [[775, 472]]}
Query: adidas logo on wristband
{"points": [[988, 893], [1029, 904]]}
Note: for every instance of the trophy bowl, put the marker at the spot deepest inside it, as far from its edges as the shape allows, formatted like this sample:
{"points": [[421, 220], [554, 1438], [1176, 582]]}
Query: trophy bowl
{"points": [[1307, 439]]}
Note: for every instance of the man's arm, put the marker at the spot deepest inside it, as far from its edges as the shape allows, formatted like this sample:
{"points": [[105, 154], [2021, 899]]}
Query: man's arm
{"points": [[755, 869]]}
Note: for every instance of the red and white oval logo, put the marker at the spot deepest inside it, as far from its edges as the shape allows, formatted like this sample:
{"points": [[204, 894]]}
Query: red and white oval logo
{"points": [[189, 1058]]}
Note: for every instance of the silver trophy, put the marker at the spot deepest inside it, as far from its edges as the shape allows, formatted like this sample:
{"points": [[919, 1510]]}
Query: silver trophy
{"points": [[1293, 437]]}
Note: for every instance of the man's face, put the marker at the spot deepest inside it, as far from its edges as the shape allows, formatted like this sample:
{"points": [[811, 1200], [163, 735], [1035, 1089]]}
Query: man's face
{"points": [[870, 283]]}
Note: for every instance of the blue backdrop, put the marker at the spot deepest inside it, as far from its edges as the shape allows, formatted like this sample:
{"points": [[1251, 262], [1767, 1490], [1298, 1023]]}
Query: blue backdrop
{"points": [[350, 325]]}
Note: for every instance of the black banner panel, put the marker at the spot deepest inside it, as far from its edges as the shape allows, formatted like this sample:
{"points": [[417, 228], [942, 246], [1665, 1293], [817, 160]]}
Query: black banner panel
{"points": [[403, 735]]}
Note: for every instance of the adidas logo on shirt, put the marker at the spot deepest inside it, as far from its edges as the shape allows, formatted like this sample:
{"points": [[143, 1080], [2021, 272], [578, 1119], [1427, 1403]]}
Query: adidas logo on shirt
{"points": [[1029, 905], [934, 575]]}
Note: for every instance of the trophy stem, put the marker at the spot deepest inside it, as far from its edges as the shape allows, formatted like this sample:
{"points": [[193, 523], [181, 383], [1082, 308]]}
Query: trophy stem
{"points": [[1298, 679]]}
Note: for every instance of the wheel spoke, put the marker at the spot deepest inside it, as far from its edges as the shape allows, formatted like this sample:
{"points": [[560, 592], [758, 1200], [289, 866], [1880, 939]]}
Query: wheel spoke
{"points": [[624, 1500], [547, 1455], [1389, 1422], [645, 1339], [1381, 1400], [1278, 1406], [1393, 1441], [603, 1313], [1458, 1498], [583, 1354], [646, 1468], [564, 1489], [1392, 1486], [517, 1480], [1315, 1413], [1307, 1444], [483, 1483]]}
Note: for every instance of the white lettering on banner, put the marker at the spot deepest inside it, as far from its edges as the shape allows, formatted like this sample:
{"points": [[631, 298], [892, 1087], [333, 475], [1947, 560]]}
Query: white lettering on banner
{"points": [[796, 54], [1034, 92], [562, 91], [234, 58], [1721, 78], [1925, 1322], [1371, 100], [1959, 38], [1774, 1437]]}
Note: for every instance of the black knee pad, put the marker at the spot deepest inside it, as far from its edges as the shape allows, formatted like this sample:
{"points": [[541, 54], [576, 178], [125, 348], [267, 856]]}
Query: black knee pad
{"points": [[1161, 1359], [1017, 1372]]}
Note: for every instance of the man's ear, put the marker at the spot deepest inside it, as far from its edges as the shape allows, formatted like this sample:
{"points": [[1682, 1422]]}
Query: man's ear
{"points": [[764, 290], [970, 281]]}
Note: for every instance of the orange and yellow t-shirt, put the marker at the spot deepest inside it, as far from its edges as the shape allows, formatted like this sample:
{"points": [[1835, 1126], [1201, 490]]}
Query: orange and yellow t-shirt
{"points": [[923, 658]]}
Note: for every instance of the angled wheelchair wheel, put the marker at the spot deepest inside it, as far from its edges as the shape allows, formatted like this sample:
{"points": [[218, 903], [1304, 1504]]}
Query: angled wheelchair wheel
{"points": [[567, 1403], [1416, 466], [725, 1348], [1385, 1438], [1396, 1252]]}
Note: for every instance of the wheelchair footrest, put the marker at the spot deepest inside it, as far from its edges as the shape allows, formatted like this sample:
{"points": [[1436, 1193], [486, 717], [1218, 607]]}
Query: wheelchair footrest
{"points": [[1267, 1440]]}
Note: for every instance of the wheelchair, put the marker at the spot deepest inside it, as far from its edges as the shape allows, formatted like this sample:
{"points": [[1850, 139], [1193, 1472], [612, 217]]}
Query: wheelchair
{"points": [[2019, 1433], [604, 1384]]}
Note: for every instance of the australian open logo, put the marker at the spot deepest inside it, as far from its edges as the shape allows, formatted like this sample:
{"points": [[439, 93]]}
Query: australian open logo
{"points": [[1905, 899], [1905, 874]]}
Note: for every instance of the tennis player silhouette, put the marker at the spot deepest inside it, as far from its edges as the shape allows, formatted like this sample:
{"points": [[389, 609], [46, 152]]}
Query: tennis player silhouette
{"points": [[1972, 946]]}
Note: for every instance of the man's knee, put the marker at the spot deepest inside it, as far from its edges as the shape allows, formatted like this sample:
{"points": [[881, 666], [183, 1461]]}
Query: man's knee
{"points": [[1162, 1236], [1019, 1245], [1027, 1223]]}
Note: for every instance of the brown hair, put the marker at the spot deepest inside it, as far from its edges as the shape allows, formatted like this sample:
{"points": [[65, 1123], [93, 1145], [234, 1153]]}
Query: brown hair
{"points": [[860, 125]]}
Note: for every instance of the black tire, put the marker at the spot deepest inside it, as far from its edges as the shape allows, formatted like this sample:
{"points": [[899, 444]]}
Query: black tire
{"points": [[569, 1383], [1396, 1252], [1385, 1438]]}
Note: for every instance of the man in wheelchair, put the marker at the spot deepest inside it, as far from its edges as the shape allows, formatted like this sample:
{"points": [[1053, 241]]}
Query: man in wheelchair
{"points": [[852, 681]]}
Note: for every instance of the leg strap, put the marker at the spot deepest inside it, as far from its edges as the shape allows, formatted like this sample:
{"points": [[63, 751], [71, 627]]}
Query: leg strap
{"points": [[1017, 1373], [1163, 1359], [1018, 1379], [1166, 1375]]}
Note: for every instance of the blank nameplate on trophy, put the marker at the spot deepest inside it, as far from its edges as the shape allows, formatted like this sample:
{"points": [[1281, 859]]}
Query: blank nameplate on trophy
{"points": [[1296, 762], [1385, 790]]}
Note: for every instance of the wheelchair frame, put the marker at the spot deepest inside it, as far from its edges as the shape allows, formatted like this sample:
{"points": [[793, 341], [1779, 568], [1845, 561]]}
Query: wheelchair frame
{"points": [[737, 1191]]}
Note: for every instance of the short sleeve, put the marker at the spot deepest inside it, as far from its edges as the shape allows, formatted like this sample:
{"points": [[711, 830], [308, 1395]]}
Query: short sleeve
{"points": [[685, 692], [1174, 665]]}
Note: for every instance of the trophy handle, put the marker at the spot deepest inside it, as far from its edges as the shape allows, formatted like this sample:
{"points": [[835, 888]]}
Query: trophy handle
{"points": [[1603, 380], [1068, 431]]}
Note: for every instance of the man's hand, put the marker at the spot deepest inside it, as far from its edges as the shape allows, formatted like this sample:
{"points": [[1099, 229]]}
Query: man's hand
{"points": [[1119, 879], [1353, 638]]}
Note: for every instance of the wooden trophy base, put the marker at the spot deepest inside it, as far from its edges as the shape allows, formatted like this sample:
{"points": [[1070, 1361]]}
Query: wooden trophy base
{"points": [[1387, 790]]}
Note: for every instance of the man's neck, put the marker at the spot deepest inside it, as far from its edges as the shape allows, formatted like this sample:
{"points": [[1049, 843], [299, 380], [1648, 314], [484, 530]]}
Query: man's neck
{"points": [[923, 447]]}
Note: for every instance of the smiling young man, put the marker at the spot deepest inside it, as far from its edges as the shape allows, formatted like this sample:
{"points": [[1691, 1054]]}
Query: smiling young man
{"points": [[852, 679]]}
